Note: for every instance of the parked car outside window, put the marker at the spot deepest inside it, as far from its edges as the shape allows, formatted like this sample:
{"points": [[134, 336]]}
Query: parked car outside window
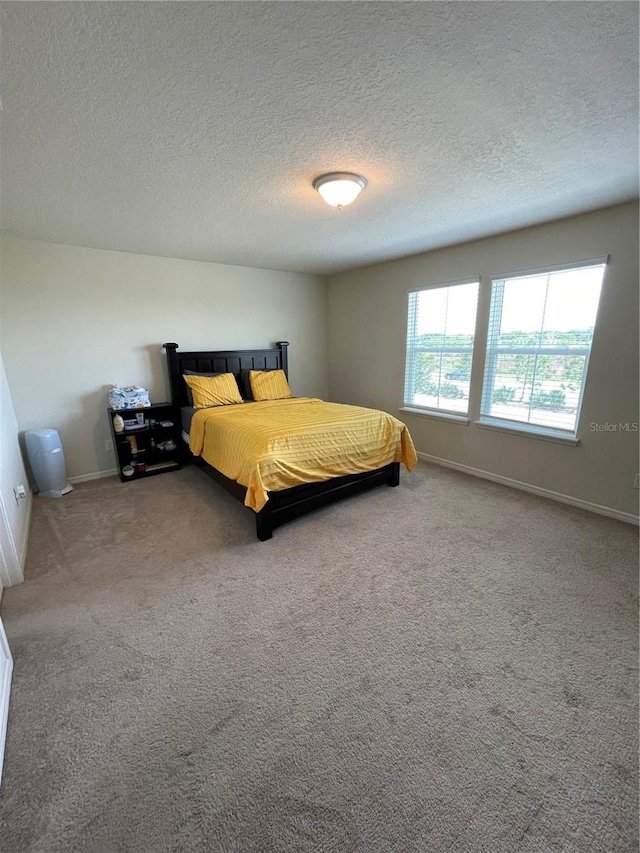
{"points": [[460, 373]]}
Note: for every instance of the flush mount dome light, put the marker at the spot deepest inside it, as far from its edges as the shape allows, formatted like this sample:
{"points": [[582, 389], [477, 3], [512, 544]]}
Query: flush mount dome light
{"points": [[340, 188]]}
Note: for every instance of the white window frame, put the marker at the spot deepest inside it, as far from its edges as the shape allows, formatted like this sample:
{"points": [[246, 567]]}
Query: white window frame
{"points": [[411, 351], [493, 351]]}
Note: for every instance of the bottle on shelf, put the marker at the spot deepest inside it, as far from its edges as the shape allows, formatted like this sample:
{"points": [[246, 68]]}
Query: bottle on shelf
{"points": [[143, 450]]}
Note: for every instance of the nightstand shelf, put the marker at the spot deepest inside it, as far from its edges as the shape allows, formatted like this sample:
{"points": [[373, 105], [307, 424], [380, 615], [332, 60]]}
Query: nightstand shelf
{"points": [[143, 451]]}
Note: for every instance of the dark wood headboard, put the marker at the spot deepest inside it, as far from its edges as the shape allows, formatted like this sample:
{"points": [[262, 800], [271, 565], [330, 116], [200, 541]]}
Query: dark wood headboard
{"points": [[221, 361]]}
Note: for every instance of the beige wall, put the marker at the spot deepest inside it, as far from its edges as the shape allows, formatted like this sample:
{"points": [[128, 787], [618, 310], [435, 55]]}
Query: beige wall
{"points": [[75, 320], [367, 323]]}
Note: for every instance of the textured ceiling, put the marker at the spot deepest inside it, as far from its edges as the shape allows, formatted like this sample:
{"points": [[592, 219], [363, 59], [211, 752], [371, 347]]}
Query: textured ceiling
{"points": [[194, 130]]}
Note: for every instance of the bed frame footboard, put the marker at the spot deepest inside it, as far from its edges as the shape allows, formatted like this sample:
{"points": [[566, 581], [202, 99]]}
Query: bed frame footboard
{"points": [[291, 503]]}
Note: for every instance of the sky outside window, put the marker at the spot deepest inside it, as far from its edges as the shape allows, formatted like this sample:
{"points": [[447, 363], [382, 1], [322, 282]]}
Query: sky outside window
{"points": [[571, 301], [448, 310]]}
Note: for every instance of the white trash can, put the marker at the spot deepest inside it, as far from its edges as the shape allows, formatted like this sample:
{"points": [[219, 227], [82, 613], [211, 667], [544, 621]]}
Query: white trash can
{"points": [[46, 458]]}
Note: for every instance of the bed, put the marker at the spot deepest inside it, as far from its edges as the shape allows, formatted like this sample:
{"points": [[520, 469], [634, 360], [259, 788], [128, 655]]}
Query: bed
{"points": [[278, 505]]}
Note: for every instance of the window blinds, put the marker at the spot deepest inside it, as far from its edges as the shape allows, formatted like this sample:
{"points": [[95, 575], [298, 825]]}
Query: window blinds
{"points": [[440, 336], [538, 345]]}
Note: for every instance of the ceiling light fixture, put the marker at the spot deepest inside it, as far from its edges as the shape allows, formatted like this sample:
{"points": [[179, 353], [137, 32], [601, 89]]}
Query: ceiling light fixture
{"points": [[340, 188]]}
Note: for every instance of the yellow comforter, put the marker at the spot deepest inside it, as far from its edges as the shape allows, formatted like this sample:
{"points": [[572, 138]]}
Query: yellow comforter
{"points": [[277, 444]]}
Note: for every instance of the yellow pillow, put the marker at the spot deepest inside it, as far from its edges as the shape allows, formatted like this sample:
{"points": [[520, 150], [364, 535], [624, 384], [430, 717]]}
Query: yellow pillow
{"points": [[269, 385], [213, 390]]}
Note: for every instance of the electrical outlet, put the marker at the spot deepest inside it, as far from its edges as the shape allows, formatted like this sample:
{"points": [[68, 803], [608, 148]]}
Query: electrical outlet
{"points": [[20, 493], [636, 482], [108, 445]]}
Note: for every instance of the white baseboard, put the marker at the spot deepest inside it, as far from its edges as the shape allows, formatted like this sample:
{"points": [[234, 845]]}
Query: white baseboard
{"points": [[96, 475], [534, 490], [6, 668]]}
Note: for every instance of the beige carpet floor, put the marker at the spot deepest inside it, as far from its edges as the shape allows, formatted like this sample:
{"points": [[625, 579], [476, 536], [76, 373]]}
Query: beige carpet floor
{"points": [[445, 666]]}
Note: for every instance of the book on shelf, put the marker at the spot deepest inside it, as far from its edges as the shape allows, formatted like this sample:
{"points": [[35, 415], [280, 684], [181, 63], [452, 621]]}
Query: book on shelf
{"points": [[158, 465]]}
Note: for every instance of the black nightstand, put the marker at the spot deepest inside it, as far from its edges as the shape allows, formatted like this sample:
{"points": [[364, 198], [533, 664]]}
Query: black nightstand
{"points": [[150, 448]]}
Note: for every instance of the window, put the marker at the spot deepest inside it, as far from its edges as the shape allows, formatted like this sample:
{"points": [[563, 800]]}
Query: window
{"points": [[440, 334], [538, 345]]}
